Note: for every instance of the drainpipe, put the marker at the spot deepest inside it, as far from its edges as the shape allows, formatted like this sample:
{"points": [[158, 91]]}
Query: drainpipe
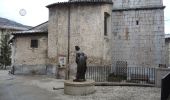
{"points": [[68, 58]]}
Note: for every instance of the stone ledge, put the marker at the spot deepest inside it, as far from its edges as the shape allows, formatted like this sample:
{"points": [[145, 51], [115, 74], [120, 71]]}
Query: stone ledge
{"points": [[79, 84], [79, 88]]}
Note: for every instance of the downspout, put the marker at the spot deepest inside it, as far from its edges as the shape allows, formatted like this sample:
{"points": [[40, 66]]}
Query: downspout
{"points": [[68, 58]]}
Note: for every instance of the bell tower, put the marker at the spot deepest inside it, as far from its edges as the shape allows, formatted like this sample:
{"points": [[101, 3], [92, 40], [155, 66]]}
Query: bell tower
{"points": [[138, 33]]}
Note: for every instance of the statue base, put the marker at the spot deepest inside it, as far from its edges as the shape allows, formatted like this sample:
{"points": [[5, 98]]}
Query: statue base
{"points": [[79, 88]]}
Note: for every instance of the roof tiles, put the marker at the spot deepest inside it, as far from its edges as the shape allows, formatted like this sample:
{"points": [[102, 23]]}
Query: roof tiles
{"points": [[80, 2]]}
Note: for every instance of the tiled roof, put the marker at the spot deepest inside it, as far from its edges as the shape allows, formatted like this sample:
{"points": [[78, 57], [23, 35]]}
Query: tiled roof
{"points": [[42, 28], [9, 24], [80, 2]]}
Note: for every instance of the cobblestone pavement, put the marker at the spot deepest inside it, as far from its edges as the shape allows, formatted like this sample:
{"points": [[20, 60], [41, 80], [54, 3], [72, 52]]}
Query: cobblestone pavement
{"points": [[41, 88], [118, 93]]}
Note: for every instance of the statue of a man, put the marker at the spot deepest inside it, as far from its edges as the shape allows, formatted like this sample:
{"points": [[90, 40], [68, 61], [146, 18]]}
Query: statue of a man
{"points": [[81, 65]]}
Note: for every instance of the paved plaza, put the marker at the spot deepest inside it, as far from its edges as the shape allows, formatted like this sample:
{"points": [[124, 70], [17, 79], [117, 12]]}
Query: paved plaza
{"points": [[46, 88]]}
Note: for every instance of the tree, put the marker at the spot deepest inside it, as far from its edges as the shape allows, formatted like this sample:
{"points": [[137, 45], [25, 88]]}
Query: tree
{"points": [[5, 51]]}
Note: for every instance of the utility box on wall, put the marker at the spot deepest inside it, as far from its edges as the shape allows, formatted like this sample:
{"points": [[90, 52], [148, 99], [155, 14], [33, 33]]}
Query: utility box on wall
{"points": [[62, 61], [61, 67]]}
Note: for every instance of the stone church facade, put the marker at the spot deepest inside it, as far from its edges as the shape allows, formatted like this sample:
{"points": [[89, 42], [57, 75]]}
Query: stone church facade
{"points": [[110, 32]]}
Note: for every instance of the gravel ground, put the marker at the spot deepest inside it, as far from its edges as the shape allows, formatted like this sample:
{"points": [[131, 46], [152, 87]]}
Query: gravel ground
{"points": [[41, 87], [116, 93], [102, 92]]}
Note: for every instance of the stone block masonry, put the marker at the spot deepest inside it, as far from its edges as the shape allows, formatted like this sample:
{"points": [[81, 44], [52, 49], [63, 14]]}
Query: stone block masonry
{"points": [[86, 31], [129, 31], [138, 35], [136, 3]]}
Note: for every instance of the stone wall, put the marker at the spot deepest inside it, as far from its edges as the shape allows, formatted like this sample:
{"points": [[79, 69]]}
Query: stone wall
{"points": [[136, 3], [30, 69], [138, 37], [25, 57], [24, 54], [167, 45], [86, 31], [40, 69]]}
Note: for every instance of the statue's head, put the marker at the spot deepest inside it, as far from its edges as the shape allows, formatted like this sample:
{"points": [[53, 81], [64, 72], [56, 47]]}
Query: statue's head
{"points": [[77, 48]]}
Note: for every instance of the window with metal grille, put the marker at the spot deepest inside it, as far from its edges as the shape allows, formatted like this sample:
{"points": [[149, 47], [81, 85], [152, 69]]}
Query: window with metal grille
{"points": [[34, 43]]}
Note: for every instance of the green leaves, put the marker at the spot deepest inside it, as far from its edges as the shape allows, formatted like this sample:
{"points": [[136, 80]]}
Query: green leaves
{"points": [[5, 50]]}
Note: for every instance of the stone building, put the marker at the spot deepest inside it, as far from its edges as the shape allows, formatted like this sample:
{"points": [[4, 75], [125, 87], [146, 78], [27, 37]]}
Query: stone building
{"points": [[138, 33], [29, 50], [80, 23], [86, 24], [127, 33]]}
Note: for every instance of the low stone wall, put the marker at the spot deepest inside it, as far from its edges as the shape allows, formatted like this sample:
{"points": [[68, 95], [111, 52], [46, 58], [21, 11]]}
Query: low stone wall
{"points": [[160, 73], [79, 88], [51, 69], [35, 69]]}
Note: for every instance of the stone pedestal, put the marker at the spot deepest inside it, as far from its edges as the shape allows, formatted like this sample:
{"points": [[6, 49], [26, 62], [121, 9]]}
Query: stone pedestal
{"points": [[79, 88]]}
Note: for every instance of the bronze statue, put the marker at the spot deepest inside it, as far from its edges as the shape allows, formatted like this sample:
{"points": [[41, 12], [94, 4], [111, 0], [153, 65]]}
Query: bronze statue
{"points": [[81, 65]]}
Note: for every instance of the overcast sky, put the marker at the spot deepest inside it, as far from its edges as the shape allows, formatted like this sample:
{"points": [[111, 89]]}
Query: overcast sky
{"points": [[37, 13]]}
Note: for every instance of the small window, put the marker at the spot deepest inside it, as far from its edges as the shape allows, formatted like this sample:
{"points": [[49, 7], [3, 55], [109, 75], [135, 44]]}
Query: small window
{"points": [[34, 43], [137, 22], [106, 21]]}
